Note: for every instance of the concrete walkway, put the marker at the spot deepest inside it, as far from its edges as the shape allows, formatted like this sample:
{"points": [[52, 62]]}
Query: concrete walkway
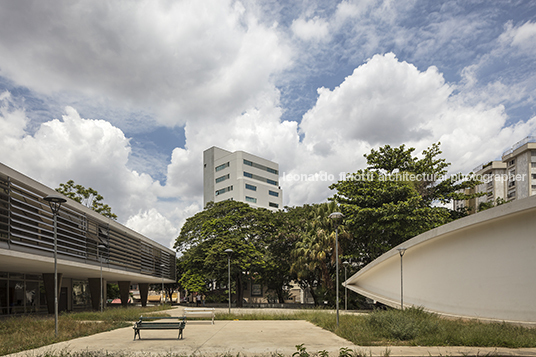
{"points": [[247, 338]]}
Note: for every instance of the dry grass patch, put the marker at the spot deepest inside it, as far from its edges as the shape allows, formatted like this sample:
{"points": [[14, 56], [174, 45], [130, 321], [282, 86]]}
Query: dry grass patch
{"points": [[23, 333]]}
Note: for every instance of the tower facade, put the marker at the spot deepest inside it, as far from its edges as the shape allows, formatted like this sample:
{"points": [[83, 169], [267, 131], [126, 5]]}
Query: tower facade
{"points": [[241, 176]]}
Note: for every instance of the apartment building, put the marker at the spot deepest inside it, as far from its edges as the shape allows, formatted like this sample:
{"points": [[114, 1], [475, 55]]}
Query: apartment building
{"points": [[521, 168], [241, 176], [512, 178]]}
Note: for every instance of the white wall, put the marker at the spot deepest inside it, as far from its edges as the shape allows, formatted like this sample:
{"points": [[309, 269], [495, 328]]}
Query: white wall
{"points": [[481, 266]]}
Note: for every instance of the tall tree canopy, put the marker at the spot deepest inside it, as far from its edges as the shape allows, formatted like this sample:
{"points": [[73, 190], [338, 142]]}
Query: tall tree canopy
{"points": [[396, 198], [276, 274], [314, 258], [225, 225], [86, 196]]}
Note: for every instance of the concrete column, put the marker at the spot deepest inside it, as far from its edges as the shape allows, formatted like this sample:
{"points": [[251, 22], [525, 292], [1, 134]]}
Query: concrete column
{"points": [[144, 293], [48, 280], [95, 291], [124, 287]]}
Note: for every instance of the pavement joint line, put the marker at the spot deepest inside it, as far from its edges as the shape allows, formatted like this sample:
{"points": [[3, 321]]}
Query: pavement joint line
{"points": [[211, 337]]}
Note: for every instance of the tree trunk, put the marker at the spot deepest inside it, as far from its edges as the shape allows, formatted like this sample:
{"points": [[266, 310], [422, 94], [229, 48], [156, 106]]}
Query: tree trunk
{"points": [[239, 292], [280, 296]]}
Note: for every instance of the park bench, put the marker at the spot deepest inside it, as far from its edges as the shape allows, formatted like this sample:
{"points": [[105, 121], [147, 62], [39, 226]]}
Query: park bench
{"points": [[148, 323], [200, 312]]}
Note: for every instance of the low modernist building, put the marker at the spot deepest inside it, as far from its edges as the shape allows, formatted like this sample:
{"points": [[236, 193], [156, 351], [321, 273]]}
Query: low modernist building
{"points": [[86, 242], [241, 176]]}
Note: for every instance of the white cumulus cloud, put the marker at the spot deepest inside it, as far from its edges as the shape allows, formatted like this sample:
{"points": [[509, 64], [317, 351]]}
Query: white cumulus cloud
{"points": [[154, 225], [315, 29]]}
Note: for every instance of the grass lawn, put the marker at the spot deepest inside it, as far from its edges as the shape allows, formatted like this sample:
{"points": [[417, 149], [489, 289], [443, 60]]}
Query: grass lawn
{"points": [[411, 327], [27, 332]]}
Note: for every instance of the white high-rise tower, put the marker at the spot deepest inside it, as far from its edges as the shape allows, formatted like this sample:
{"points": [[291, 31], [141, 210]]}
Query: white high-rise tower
{"points": [[241, 176]]}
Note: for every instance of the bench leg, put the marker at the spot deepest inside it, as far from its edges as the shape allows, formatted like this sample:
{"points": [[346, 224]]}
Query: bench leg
{"points": [[180, 334], [137, 332]]}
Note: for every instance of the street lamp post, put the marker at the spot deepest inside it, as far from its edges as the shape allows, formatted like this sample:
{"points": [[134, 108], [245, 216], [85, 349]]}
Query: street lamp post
{"points": [[55, 202], [345, 263], [229, 252], [162, 274], [336, 216], [401, 251], [99, 247]]}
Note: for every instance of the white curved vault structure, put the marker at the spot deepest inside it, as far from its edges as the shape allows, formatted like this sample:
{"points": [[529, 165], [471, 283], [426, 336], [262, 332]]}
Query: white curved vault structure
{"points": [[481, 266]]}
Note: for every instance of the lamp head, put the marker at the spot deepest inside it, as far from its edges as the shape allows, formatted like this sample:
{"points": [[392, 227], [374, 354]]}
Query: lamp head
{"points": [[401, 251], [228, 251], [55, 202], [336, 216]]}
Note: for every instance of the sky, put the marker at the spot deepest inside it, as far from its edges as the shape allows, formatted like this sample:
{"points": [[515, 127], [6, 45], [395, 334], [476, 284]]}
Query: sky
{"points": [[124, 96]]}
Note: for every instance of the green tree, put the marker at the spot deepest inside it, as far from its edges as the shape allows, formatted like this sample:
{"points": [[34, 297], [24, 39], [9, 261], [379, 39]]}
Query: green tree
{"points": [[428, 175], [112, 291], [86, 196], [276, 274], [225, 225], [391, 159], [487, 205], [396, 198], [314, 255]]}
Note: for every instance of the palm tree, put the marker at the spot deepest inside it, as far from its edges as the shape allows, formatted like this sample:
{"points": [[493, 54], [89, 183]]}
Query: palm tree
{"points": [[314, 255]]}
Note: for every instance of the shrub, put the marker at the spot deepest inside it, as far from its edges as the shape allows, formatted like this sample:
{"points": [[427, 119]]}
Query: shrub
{"points": [[404, 325]]}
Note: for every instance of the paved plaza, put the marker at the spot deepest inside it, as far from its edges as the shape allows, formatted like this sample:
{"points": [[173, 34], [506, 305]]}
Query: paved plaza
{"points": [[247, 338]]}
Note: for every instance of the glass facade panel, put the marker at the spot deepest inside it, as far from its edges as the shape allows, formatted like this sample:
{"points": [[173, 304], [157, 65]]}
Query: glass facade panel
{"points": [[222, 178], [16, 296], [21, 294], [42, 297], [261, 167], [223, 190], [251, 199], [251, 187], [222, 166], [4, 306], [81, 297], [32, 296], [273, 193]]}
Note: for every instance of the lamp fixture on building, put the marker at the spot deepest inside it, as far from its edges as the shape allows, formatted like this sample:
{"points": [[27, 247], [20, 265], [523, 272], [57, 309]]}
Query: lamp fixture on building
{"points": [[55, 202], [99, 247], [163, 291]]}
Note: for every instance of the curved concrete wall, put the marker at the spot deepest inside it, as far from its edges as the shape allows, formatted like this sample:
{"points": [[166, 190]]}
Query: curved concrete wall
{"points": [[481, 266]]}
